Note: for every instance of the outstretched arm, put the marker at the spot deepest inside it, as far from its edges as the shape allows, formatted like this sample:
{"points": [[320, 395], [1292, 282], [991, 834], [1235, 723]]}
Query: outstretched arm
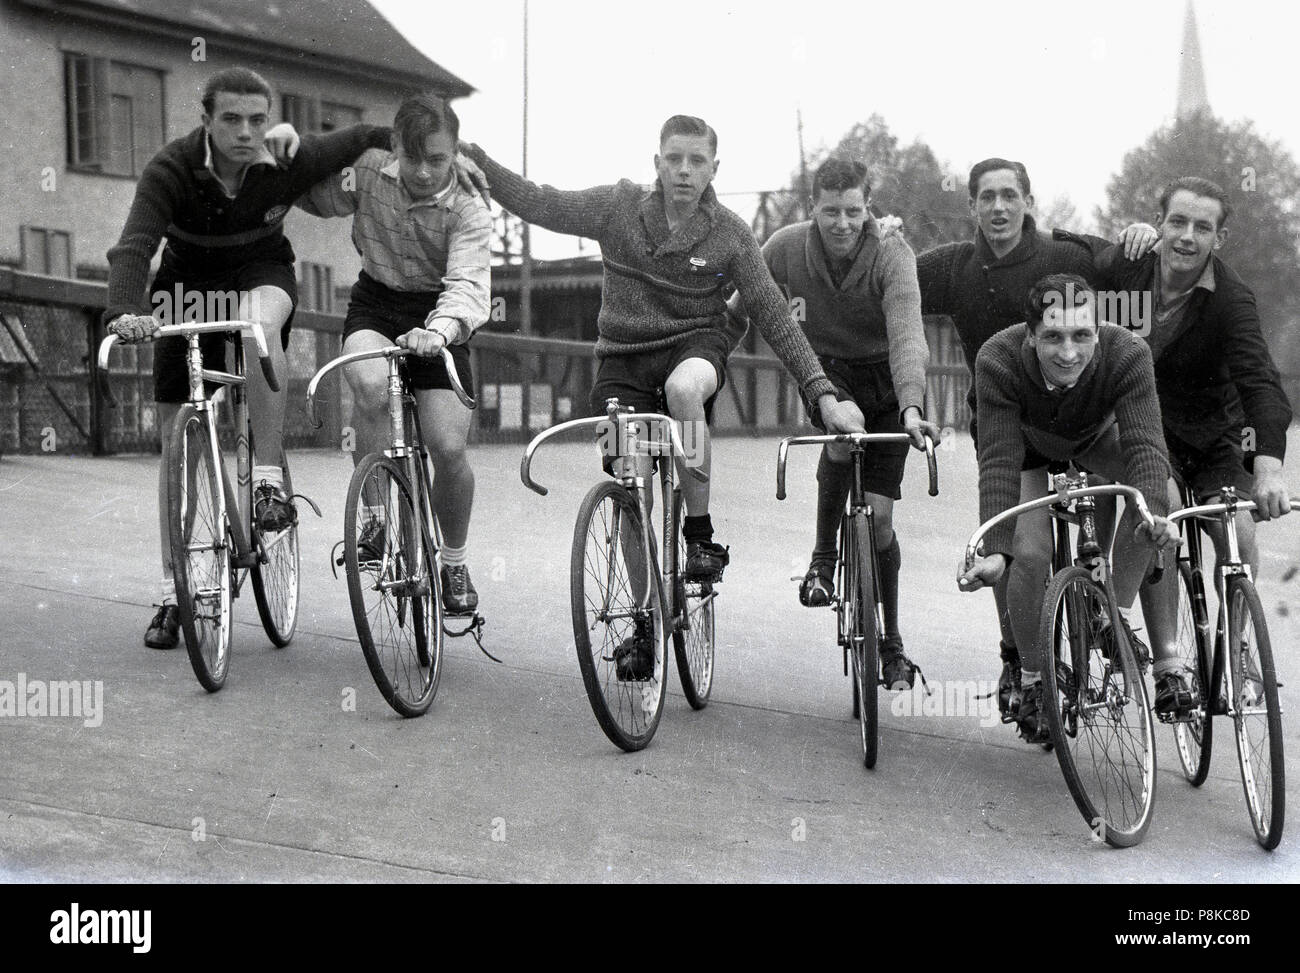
{"points": [[582, 212]]}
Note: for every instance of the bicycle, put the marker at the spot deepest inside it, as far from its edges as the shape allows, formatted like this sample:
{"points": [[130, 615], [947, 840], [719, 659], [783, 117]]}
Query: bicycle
{"points": [[859, 607], [212, 550], [1240, 667], [1094, 693], [619, 597], [395, 592]]}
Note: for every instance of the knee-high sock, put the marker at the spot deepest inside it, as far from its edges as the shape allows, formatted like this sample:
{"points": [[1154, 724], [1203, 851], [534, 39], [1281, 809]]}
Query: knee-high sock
{"points": [[834, 481], [890, 560]]}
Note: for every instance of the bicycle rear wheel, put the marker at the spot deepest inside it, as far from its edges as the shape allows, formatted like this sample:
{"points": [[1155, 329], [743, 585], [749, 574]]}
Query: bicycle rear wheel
{"points": [[860, 624], [1194, 737], [275, 583], [396, 604], [1257, 713], [607, 579], [1097, 709], [200, 548], [693, 645]]}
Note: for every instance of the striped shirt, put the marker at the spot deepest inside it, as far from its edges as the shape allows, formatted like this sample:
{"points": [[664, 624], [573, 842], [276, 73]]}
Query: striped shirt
{"points": [[438, 243]]}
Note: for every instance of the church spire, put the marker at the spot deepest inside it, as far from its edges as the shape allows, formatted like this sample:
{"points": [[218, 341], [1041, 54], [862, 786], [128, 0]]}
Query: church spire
{"points": [[1191, 74]]}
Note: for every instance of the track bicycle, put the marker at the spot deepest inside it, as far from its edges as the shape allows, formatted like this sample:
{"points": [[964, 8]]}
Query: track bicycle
{"points": [[395, 588], [858, 604], [1094, 692], [214, 538], [624, 604], [1237, 667]]}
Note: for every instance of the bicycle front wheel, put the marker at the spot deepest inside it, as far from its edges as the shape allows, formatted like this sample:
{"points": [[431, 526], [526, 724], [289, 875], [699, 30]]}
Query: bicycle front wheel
{"points": [[1194, 736], [1096, 705], [393, 585], [618, 624], [693, 643], [200, 548], [860, 609], [1256, 712], [275, 583]]}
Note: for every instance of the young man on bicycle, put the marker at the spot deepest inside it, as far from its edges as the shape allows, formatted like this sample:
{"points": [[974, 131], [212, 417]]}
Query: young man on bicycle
{"points": [[862, 316], [219, 199], [425, 284], [669, 252], [981, 285], [1224, 411], [1062, 388]]}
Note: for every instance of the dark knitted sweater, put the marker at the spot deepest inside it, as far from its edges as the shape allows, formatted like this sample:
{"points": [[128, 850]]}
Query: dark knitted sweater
{"points": [[984, 294], [1215, 375], [660, 287], [208, 233], [873, 314], [1016, 406]]}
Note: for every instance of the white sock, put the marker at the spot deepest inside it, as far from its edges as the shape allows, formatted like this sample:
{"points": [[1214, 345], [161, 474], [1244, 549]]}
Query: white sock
{"points": [[169, 591], [273, 475], [454, 556], [1028, 678]]}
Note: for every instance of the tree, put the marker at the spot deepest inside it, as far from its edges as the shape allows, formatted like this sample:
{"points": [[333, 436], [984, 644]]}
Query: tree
{"points": [[1060, 214], [1263, 183], [908, 182]]}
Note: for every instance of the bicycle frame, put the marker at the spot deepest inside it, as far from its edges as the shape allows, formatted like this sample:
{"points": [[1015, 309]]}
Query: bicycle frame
{"points": [[630, 444]]}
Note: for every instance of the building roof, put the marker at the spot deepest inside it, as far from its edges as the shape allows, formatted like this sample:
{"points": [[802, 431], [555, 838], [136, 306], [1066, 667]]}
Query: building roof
{"points": [[344, 35]]}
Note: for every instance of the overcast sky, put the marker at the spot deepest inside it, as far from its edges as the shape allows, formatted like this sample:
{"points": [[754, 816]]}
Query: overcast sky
{"points": [[1067, 88]]}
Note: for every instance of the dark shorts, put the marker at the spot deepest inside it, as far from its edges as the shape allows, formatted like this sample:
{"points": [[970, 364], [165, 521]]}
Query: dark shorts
{"points": [[870, 385], [170, 379], [638, 380], [374, 307], [1208, 470]]}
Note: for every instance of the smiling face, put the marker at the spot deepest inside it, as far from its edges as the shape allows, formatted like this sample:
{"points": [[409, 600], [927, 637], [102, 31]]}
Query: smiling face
{"points": [[237, 126], [1000, 207], [1065, 342], [1190, 232], [686, 165], [840, 216], [427, 172]]}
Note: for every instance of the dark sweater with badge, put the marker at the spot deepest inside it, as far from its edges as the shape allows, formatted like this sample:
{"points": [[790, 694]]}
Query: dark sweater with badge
{"points": [[208, 233], [1215, 375], [661, 287], [983, 293], [1016, 406]]}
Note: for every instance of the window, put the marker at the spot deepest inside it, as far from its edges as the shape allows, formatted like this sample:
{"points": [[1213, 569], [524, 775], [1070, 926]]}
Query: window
{"points": [[46, 251], [316, 290], [115, 115], [309, 114]]}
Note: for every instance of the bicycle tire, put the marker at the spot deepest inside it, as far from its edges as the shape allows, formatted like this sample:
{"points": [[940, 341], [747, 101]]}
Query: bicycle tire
{"points": [[866, 638], [1194, 738], [395, 600], [199, 537], [276, 583], [694, 644], [606, 613], [1255, 681], [1112, 786]]}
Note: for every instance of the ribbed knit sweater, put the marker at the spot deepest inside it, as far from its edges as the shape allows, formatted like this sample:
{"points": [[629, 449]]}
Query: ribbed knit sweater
{"points": [[661, 287], [875, 312], [207, 232], [1016, 406]]}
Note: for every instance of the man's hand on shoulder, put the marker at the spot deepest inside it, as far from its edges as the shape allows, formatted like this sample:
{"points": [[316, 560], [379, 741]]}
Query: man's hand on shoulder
{"points": [[1137, 239], [282, 142], [134, 328], [471, 178], [1270, 493]]}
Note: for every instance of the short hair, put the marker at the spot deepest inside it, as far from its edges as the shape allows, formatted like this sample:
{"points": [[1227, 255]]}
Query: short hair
{"points": [[420, 116], [839, 174], [1198, 187], [235, 81], [1057, 291], [689, 125], [992, 165]]}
